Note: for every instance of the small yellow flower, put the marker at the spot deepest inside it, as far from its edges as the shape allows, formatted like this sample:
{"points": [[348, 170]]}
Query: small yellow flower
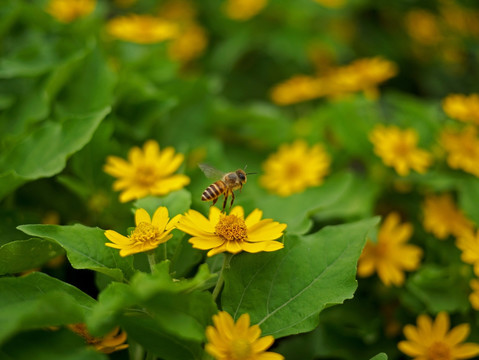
{"points": [[111, 342], [443, 218], [391, 255], [463, 108], [232, 233], [474, 296], [178, 10], [69, 10], [297, 89], [462, 149], [189, 44], [294, 168], [242, 10], [141, 29], [432, 340], [148, 234], [228, 340], [148, 172], [422, 26], [335, 4], [398, 148], [468, 243]]}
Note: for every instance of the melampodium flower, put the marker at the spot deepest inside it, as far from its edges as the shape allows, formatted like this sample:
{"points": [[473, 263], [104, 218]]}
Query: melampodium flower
{"points": [[243, 9], [390, 256], [232, 233], [422, 26], [189, 44], [148, 234], [297, 89], [111, 342], [228, 340], [462, 149], [432, 340], [68, 10], [462, 107], [148, 172], [398, 148], [468, 243], [474, 296], [443, 218], [295, 167], [141, 29]]}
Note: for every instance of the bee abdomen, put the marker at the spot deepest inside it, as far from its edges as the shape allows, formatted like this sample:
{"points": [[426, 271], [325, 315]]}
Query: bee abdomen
{"points": [[213, 191]]}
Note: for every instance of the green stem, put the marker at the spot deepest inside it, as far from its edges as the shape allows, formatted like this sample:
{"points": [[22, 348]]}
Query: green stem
{"points": [[151, 260], [163, 251], [221, 280]]}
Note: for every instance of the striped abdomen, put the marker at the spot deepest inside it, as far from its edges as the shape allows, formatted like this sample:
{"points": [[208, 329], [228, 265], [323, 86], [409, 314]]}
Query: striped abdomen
{"points": [[213, 191]]}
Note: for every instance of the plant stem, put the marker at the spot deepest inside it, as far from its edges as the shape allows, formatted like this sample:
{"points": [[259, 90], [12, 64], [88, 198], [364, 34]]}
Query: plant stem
{"points": [[151, 260], [221, 280], [163, 251]]}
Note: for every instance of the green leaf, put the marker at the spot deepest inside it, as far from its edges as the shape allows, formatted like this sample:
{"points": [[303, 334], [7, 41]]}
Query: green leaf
{"points": [[284, 291], [85, 248], [20, 255], [177, 202], [469, 198], [380, 356]]}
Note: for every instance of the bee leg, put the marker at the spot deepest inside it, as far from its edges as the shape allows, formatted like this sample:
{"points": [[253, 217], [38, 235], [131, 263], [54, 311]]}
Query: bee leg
{"points": [[225, 201], [232, 199], [214, 201]]}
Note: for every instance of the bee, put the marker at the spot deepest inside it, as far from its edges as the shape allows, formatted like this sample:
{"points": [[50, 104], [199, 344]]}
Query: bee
{"points": [[225, 186]]}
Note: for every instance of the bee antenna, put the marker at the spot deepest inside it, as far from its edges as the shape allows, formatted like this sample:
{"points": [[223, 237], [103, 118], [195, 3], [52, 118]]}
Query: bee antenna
{"points": [[251, 173]]}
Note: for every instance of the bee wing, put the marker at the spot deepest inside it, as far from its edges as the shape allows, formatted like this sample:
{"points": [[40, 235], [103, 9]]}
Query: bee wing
{"points": [[211, 172]]}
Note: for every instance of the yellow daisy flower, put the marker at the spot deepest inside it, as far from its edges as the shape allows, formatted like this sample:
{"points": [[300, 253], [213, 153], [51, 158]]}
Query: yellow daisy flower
{"points": [[462, 107], [232, 233], [111, 342], [468, 243], [242, 10], [294, 168], [297, 89], [189, 44], [141, 29], [390, 256], [67, 11], [148, 234], [398, 148], [432, 340], [228, 340], [443, 218], [422, 26], [474, 296], [148, 172], [462, 149]]}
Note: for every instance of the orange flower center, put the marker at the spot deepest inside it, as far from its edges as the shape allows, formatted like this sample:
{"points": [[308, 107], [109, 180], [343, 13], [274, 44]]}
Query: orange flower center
{"points": [[402, 149], [439, 351], [145, 175], [293, 170], [145, 233], [232, 228], [240, 349]]}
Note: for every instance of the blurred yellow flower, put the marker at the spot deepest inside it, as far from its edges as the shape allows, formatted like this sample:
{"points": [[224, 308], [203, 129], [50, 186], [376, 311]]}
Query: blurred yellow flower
{"points": [[443, 218], [390, 256], [398, 148], [68, 10], [462, 149], [462, 107], [111, 342], [141, 29], [294, 168], [460, 19], [474, 296], [189, 44], [148, 172], [148, 233], [297, 89], [228, 340], [232, 233], [178, 10], [432, 340], [422, 26], [242, 10], [468, 243], [332, 3]]}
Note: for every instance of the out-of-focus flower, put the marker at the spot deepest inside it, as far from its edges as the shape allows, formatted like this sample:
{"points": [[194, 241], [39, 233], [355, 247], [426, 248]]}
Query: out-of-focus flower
{"points": [[462, 149], [294, 168], [398, 148], [111, 342], [141, 29], [462, 107], [432, 340], [443, 218], [474, 296], [423, 27], [232, 233], [189, 44], [178, 11], [335, 4], [468, 243], [69, 10], [242, 10], [464, 21], [228, 340], [390, 256], [148, 172], [148, 234], [297, 89]]}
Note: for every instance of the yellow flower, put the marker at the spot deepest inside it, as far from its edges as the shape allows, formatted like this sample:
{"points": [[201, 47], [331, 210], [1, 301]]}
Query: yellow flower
{"points": [[432, 340], [297, 89], [332, 3], [422, 26], [178, 10], [474, 296], [398, 148], [232, 233], [141, 29], [462, 149], [462, 107], [228, 340], [295, 167], [111, 342], [243, 9], [189, 44], [468, 243], [148, 233], [148, 172], [390, 256], [68, 10]]}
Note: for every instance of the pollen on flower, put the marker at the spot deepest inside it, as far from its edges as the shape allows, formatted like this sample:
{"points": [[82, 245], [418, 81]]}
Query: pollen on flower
{"points": [[232, 228], [145, 233], [439, 350]]}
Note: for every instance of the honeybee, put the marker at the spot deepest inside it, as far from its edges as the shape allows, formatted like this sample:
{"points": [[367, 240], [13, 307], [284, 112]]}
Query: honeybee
{"points": [[227, 183]]}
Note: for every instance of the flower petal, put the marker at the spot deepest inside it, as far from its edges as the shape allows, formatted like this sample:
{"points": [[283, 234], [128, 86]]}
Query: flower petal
{"points": [[117, 238], [141, 215], [160, 218], [253, 218], [266, 230], [205, 243], [237, 211]]}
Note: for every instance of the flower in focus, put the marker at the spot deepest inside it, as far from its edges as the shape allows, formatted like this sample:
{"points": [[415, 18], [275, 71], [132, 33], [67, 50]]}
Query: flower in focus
{"points": [[398, 148], [297, 89], [462, 149], [69, 10], [332, 3], [432, 340], [391, 255], [232, 233], [141, 29], [148, 233], [228, 340], [148, 172], [423, 27], [189, 44], [242, 10], [443, 218], [474, 296], [468, 243], [462, 107], [111, 342], [295, 167]]}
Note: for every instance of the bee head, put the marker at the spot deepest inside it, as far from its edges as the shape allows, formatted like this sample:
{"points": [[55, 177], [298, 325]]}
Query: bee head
{"points": [[241, 175]]}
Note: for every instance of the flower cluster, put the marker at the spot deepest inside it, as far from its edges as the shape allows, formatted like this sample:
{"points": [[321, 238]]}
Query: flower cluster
{"points": [[67, 11], [462, 149], [463, 108]]}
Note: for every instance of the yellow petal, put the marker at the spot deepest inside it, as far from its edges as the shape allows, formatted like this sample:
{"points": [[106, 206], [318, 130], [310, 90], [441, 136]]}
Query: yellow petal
{"points": [[173, 222], [160, 218], [411, 349], [237, 211], [263, 343], [253, 218], [269, 356], [214, 216], [133, 193], [205, 243], [466, 351], [440, 326], [217, 250], [242, 324], [457, 334], [141, 215], [233, 247], [117, 238], [169, 184], [265, 230]]}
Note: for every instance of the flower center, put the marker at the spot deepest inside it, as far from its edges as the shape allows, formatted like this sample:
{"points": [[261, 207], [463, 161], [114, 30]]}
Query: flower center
{"points": [[145, 175], [145, 233], [402, 149], [439, 351], [293, 170], [232, 228], [240, 349]]}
